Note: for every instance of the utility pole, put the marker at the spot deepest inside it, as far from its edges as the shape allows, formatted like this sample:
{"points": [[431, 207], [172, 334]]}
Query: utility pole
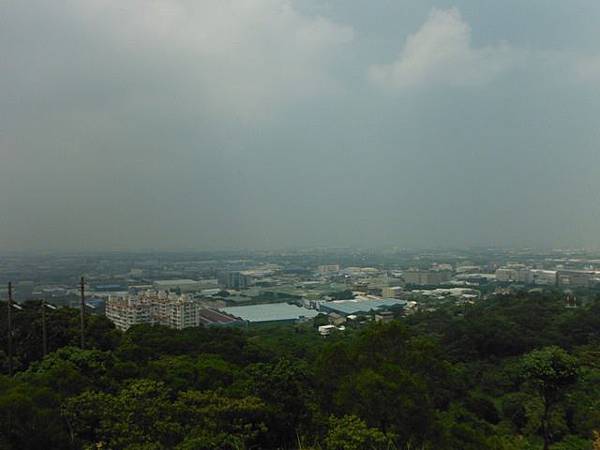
{"points": [[44, 329], [82, 312], [10, 349], [44, 333]]}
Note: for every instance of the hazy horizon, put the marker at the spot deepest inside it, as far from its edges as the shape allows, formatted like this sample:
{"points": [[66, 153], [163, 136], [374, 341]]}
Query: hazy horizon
{"points": [[327, 250], [272, 124]]}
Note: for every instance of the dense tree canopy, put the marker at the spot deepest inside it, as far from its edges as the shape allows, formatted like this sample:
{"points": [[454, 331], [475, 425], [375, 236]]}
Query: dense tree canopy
{"points": [[518, 372]]}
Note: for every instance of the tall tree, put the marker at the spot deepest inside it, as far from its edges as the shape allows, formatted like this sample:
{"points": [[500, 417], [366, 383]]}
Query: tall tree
{"points": [[549, 372]]}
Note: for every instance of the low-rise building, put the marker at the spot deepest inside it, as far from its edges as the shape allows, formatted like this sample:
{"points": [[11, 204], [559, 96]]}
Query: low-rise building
{"points": [[326, 330], [360, 305], [327, 269], [384, 316], [392, 291], [513, 274], [543, 277], [336, 319], [183, 285], [464, 294], [426, 277], [234, 280], [210, 317], [574, 278], [270, 312]]}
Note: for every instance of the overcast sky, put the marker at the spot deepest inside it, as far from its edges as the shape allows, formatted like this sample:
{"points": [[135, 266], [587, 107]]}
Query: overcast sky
{"points": [[205, 124]]}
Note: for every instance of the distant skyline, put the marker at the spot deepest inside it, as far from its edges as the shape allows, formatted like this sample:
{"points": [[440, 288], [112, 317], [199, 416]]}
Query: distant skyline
{"points": [[272, 124]]}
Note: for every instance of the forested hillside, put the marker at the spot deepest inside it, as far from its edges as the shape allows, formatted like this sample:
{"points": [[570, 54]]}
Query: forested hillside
{"points": [[518, 372]]}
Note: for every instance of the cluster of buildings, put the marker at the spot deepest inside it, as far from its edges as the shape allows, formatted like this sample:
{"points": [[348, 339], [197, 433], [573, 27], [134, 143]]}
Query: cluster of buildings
{"points": [[182, 311], [161, 308], [327, 269], [268, 294], [346, 286], [426, 277], [568, 278], [181, 303], [234, 280]]}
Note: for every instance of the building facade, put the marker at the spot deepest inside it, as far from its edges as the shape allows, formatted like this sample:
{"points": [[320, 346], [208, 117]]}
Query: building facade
{"points": [[392, 291], [426, 277], [328, 269], [234, 280], [154, 307], [514, 274], [575, 278]]}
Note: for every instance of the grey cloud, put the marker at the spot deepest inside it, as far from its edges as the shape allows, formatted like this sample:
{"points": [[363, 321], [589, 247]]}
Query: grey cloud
{"points": [[181, 124]]}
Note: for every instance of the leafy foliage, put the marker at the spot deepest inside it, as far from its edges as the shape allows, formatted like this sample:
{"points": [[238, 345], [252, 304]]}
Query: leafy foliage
{"points": [[506, 373]]}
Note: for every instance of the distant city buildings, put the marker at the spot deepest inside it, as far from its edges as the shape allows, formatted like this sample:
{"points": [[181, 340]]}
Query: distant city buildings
{"points": [[187, 290], [392, 291], [111, 287], [358, 272], [514, 274], [561, 278], [426, 277], [328, 269], [234, 280], [543, 277], [461, 294], [468, 269], [576, 278], [183, 285]]}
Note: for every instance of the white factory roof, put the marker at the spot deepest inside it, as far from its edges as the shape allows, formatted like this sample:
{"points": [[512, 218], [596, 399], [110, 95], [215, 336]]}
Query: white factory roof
{"points": [[172, 282], [269, 312]]}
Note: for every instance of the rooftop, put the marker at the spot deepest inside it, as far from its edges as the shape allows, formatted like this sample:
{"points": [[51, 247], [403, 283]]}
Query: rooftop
{"points": [[171, 282], [269, 312], [212, 317], [354, 306]]}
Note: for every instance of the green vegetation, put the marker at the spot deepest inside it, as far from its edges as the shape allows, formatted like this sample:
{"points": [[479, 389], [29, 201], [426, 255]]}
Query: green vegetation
{"points": [[341, 295], [507, 373]]}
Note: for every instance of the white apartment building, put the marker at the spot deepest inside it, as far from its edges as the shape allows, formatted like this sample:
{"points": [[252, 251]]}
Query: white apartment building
{"points": [[127, 311], [543, 277], [153, 307], [391, 291], [514, 274], [522, 274], [327, 269]]}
